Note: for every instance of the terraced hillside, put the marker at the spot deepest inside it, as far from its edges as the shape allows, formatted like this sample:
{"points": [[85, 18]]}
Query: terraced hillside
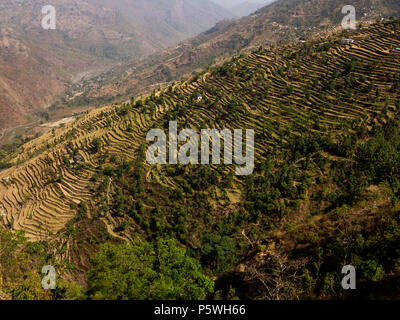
{"points": [[311, 105], [284, 21]]}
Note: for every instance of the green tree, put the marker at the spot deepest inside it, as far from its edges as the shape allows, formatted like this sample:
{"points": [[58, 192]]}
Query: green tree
{"points": [[218, 252], [144, 271]]}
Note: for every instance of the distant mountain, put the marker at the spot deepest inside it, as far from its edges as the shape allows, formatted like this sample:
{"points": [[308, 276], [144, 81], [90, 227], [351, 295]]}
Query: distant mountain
{"points": [[168, 22], [246, 8], [233, 3], [37, 64]]}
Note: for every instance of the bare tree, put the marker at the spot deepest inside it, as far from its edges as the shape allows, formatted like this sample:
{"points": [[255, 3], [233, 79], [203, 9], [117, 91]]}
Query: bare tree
{"points": [[278, 275]]}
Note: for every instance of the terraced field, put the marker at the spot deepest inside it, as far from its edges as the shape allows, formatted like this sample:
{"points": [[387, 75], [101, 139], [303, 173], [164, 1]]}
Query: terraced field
{"points": [[322, 86]]}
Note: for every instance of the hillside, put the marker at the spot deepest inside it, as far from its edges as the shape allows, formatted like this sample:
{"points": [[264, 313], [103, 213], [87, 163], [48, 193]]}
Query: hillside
{"points": [[90, 36], [284, 21], [325, 190]]}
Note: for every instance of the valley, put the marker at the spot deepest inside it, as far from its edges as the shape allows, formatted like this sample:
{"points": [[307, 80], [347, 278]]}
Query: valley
{"points": [[90, 36]]}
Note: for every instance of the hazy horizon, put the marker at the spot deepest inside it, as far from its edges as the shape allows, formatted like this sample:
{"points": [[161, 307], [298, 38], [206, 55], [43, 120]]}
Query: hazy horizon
{"points": [[232, 3]]}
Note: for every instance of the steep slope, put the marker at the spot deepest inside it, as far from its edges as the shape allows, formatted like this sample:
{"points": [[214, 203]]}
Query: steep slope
{"points": [[37, 64], [311, 105], [282, 21]]}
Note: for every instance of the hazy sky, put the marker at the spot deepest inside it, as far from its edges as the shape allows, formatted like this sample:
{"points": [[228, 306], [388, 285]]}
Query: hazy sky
{"points": [[231, 3]]}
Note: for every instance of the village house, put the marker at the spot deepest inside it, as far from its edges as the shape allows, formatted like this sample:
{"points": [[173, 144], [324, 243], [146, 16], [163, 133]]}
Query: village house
{"points": [[347, 41]]}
